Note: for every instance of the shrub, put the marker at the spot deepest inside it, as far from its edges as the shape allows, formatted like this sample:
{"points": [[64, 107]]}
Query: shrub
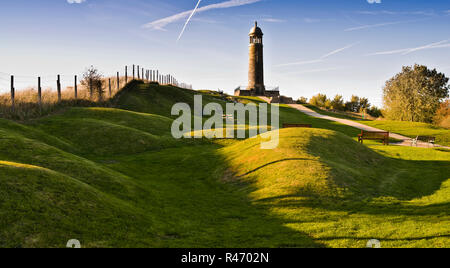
{"points": [[92, 79], [302, 100], [338, 103], [442, 117], [320, 100]]}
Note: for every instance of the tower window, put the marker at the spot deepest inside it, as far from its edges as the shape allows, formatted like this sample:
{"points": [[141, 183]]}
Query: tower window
{"points": [[255, 40]]}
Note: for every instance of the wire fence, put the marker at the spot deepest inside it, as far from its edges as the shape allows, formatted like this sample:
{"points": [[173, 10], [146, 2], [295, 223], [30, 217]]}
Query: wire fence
{"points": [[23, 96]]}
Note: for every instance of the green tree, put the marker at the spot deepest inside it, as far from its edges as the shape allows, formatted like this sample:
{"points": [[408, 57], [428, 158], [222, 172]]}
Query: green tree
{"points": [[374, 111], [338, 103], [302, 100], [415, 94], [442, 117], [320, 100], [364, 104], [353, 105]]}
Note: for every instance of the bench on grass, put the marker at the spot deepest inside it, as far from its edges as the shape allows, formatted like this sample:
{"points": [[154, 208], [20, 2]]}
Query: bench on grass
{"points": [[426, 139], [297, 126], [374, 135]]}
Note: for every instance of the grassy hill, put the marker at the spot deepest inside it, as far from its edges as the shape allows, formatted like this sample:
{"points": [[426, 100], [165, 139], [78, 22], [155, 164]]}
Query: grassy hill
{"points": [[343, 193], [114, 177]]}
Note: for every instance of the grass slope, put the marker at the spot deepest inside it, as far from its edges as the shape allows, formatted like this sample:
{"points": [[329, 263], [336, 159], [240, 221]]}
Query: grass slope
{"points": [[116, 178], [342, 193]]}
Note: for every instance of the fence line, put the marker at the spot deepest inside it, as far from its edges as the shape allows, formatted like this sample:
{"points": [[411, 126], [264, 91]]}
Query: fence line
{"points": [[143, 74]]}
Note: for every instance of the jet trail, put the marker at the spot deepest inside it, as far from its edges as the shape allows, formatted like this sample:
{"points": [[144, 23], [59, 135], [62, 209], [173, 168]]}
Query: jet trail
{"points": [[188, 20]]}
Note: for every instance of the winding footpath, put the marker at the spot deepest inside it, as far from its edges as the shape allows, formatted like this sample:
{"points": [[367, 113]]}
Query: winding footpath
{"points": [[405, 141]]}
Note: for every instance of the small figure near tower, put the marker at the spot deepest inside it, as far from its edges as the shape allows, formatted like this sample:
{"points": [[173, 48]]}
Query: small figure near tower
{"points": [[256, 62]]}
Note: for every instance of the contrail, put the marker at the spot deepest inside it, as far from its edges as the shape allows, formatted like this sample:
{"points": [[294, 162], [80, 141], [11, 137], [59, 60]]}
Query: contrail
{"points": [[189, 19]]}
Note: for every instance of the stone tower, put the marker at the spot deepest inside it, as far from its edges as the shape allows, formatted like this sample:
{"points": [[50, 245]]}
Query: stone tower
{"points": [[256, 62]]}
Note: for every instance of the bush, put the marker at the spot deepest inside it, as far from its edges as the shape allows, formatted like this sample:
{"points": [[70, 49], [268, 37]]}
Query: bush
{"points": [[320, 100], [338, 103], [92, 79], [442, 117], [375, 112], [302, 100]]}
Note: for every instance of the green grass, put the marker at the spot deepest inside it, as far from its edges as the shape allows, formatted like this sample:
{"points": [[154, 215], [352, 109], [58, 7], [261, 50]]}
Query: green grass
{"points": [[342, 193], [413, 129], [116, 178]]}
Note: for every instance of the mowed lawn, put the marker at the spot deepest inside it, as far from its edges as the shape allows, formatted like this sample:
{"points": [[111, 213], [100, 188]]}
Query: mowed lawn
{"points": [[343, 194], [413, 129], [115, 177], [408, 129]]}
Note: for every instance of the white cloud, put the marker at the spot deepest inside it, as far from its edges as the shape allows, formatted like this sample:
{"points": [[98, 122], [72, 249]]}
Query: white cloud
{"points": [[75, 1], [387, 12], [376, 25], [406, 51], [337, 51], [321, 59], [315, 71], [273, 20], [161, 23]]}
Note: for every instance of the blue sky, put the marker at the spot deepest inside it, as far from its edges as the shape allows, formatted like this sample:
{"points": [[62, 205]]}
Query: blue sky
{"points": [[327, 46]]}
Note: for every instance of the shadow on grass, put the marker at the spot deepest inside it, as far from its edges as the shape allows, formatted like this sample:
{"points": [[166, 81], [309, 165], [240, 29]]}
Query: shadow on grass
{"points": [[199, 208]]}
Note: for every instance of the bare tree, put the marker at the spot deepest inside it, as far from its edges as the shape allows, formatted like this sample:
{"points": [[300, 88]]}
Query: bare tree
{"points": [[93, 80]]}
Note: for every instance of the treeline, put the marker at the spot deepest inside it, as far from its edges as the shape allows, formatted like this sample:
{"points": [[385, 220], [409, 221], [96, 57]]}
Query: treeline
{"points": [[416, 94], [355, 104]]}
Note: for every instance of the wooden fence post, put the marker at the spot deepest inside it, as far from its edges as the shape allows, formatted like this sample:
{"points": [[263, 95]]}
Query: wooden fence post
{"points": [[110, 91], [118, 81], [58, 86], [126, 74], [13, 94], [138, 72], [133, 72], [91, 91], [76, 87], [39, 92]]}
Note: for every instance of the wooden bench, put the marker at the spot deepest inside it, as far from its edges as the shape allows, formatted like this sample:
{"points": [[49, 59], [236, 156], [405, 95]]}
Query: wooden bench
{"points": [[297, 126], [372, 135], [426, 139]]}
